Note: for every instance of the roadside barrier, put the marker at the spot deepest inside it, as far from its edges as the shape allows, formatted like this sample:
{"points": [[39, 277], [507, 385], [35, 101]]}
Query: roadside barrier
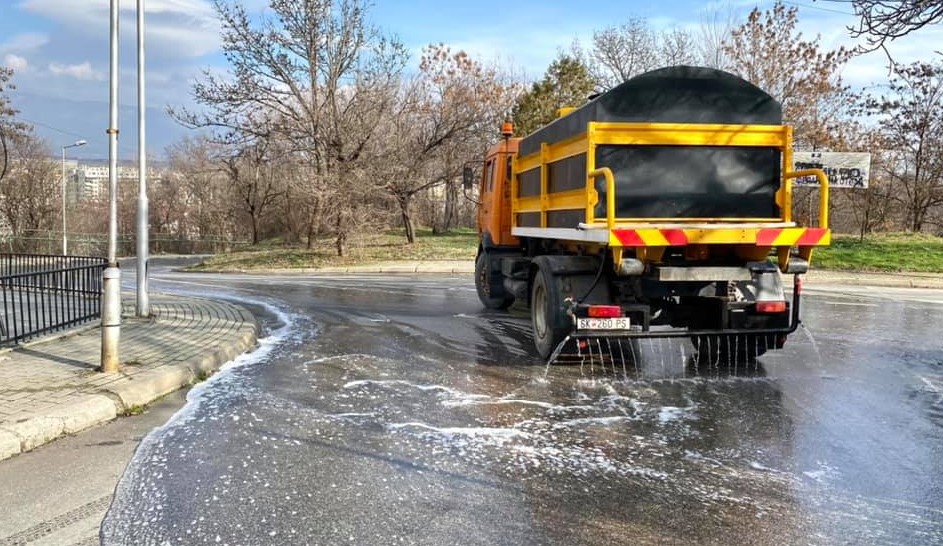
{"points": [[47, 293]]}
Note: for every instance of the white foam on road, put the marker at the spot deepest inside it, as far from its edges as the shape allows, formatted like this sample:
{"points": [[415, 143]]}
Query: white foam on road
{"points": [[479, 432], [590, 421], [196, 396], [480, 400], [401, 382], [667, 414], [140, 480]]}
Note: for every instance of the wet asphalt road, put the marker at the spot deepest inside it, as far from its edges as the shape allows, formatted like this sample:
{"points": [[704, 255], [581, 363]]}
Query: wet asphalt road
{"points": [[394, 410]]}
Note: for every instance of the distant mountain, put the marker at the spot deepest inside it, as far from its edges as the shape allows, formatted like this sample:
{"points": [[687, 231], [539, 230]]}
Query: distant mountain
{"points": [[62, 122]]}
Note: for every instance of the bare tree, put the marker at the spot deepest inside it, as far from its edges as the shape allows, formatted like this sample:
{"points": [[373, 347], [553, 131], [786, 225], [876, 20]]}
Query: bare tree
{"points": [[911, 122], [634, 47], [810, 90], [314, 74], [28, 194], [9, 127], [249, 170], [881, 21], [618, 53], [454, 100], [677, 47], [715, 29], [198, 177]]}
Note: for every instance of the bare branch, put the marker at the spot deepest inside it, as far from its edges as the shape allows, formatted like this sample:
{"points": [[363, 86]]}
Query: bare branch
{"points": [[882, 21]]}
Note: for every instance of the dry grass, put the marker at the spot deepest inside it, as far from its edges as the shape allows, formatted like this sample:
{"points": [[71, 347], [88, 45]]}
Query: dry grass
{"points": [[884, 252], [365, 249]]}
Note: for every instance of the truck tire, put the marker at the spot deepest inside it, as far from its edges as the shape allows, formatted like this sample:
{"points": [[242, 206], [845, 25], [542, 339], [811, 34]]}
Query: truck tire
{"points": [[492, 295], [547, 316], [730, 350]]}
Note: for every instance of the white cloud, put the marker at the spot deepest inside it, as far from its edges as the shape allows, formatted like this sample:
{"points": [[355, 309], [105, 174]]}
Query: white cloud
{"points": [[82, 71], [176, 28], [25, 42], [17, 63]]}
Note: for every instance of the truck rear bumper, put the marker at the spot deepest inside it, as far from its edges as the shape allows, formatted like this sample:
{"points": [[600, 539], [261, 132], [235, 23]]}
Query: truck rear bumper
{"points": [[642, 331]]}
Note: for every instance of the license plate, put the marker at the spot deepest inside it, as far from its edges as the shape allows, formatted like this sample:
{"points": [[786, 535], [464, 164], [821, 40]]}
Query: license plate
{"points": [[621, 323]]}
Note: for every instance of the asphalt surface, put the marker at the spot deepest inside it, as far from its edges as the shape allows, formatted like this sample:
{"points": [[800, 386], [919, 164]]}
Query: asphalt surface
{"points": [[57, 495], [387, 410]]}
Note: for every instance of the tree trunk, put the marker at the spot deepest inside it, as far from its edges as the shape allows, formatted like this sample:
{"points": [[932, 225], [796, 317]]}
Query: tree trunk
{"points": [[255, 230], [341, 241], [451, 206], [403, 201], [313, 223]]}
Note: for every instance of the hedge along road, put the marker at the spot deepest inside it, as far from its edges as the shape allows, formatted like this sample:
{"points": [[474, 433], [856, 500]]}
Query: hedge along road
{"points": [[392, 409]]}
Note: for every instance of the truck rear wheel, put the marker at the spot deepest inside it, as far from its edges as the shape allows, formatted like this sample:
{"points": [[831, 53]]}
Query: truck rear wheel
{"points": [[492, 295], [547, 316], [731, 350]]}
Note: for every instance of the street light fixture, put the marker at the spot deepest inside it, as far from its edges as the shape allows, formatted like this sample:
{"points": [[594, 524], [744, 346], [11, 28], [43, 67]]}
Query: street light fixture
{"points": [[65, 241]]}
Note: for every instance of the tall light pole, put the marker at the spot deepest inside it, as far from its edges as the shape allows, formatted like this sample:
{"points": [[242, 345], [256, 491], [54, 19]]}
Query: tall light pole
{"points": [[111, 279], [142, 306], [65, 240]]}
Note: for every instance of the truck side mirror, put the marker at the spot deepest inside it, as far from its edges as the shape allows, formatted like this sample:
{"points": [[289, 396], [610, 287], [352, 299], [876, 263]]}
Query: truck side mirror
{"points": [[468, 178]]}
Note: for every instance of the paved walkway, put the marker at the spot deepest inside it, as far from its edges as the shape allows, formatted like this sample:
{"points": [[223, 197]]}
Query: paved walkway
{"points": [[50, 387]]}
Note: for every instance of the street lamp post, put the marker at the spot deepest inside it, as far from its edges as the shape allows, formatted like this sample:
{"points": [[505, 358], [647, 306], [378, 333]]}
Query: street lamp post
{"points": [[65, 240], [111, 277]]}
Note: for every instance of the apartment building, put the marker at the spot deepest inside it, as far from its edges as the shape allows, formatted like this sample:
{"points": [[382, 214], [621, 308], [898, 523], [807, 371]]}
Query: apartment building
{"points": [[89, 181]]}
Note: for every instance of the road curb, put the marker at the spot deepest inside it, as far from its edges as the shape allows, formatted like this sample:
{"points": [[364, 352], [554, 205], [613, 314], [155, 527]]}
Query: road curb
{"points": [[113, 401], [813, 278], [37, 430], [888, 280], [150, 385]]}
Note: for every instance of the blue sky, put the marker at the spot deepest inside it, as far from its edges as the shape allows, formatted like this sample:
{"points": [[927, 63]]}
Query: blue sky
{"points": [[59, 49]]}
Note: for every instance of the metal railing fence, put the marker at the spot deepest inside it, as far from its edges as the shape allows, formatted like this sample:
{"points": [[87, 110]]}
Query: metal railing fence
{"points": [[47, 293]]}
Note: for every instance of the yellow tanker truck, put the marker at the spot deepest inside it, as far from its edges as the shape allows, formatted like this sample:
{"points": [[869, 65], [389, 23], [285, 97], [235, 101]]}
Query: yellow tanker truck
{"points": [[661, 208]]}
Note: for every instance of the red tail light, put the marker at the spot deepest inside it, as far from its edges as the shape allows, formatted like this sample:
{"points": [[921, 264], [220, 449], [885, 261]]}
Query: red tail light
{"points": [[770, 307], [604, 311]]}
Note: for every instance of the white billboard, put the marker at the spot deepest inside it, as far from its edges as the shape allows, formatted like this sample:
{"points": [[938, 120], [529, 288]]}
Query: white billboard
{"points": [[844, 169]]}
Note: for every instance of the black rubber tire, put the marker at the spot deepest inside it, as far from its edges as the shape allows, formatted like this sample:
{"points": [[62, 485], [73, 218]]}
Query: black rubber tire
{"points": [[486, 289], [547, 316], [730, 350]]}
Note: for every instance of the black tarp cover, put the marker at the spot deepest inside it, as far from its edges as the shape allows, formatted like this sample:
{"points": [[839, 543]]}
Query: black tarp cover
{"points": [[679, 181]]}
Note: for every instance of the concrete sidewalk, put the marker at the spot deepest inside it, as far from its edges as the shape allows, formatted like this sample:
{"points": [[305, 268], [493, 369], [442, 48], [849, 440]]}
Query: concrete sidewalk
{"points": [[50, 388]]}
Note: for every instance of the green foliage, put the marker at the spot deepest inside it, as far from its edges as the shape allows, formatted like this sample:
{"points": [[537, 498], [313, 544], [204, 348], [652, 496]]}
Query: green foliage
{"points": [[567, 82], [888, 252], [134, 410]]}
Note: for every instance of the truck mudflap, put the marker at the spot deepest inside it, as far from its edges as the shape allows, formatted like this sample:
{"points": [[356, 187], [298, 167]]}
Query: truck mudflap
{"points": [[583, 342]]}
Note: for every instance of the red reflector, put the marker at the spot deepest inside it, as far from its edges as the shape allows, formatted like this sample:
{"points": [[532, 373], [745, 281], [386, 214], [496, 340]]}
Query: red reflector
{"points": [[770, 307], [798, 284], [604, 311]]}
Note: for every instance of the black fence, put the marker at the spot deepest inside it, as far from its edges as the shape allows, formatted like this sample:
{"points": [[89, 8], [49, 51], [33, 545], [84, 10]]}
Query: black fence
{"points": [[50, 242], [46, 293]]}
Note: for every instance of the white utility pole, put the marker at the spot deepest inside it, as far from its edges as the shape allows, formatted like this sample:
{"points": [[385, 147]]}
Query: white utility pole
{"points": [[111, 289], [143, 306]]}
